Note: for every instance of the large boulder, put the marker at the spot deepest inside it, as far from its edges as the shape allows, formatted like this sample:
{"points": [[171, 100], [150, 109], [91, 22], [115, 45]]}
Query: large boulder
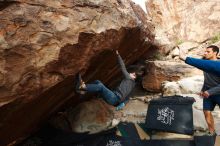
{"points": [[159, 71], [45, 43], [189, 85], [92, 116]]}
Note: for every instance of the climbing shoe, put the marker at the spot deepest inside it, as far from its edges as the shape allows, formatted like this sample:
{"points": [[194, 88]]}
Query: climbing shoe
{"points": [[120, 106]]}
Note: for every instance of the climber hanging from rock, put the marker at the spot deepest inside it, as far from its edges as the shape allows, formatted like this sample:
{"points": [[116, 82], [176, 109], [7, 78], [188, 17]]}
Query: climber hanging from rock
{"points": [[117, 97]]}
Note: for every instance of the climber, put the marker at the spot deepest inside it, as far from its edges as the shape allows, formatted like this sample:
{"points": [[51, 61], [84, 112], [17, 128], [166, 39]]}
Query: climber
{"points": [[118, 97], [211, 87]]}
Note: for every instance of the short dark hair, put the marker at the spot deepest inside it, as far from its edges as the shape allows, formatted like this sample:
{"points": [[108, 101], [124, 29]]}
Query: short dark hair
{"points": [[214, 48], [132, 69]]}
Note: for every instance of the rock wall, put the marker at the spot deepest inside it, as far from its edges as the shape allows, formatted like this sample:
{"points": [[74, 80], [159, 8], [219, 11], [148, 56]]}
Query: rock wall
{"points": [[178, 21], [43, 44]]}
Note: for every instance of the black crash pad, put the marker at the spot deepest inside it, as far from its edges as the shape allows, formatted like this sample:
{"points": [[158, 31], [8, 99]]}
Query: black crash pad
{"points": [[171, 114]]}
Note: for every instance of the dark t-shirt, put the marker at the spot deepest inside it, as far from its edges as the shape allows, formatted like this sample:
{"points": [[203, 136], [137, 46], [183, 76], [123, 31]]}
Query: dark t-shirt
{"points": [[127, 84]]}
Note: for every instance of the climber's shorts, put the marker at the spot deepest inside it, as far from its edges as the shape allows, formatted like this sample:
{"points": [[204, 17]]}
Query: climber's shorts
{"points": [[210, 102]]}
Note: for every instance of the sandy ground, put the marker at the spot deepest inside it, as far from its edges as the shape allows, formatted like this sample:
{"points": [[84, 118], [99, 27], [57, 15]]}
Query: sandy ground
{"points": [[217, 143]]}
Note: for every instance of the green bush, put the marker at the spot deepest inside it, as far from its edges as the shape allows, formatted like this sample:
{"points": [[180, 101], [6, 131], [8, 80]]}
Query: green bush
{"points": [[178, 42], [215, 39]]}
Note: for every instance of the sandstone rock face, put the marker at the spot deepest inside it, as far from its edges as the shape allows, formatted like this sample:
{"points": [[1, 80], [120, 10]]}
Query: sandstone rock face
{"points": [[177, 21], [159, 71], [43, 44]]}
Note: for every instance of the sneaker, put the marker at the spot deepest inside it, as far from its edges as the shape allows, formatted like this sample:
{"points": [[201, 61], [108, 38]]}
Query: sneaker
{"points": [[120, 106]]}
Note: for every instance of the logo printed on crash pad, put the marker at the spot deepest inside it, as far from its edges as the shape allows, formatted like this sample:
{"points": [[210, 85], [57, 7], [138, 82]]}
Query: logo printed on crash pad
{"points": [[165, 115], [113, 143]]}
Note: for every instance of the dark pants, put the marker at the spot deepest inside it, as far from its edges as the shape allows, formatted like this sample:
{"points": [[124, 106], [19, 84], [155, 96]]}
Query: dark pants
{"points": [[108, 95]]}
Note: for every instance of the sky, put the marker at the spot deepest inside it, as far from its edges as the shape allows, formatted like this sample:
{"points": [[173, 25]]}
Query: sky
{"points": [[141, 3]]}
